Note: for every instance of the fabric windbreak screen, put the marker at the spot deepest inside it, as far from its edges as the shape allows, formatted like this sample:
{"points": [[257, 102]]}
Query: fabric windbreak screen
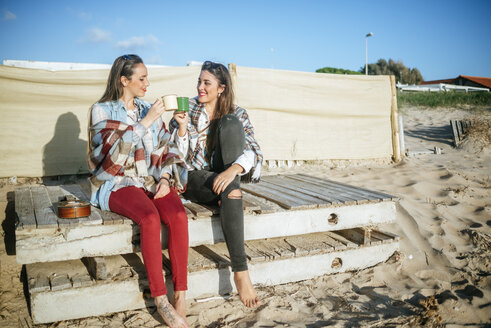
{"points": [[296, 115], [44, 115], [310, 116]]}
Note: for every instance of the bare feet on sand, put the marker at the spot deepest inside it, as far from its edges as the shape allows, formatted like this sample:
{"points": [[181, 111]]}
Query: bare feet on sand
{"points": [[169, 314], [247, 293], [179, 302]]}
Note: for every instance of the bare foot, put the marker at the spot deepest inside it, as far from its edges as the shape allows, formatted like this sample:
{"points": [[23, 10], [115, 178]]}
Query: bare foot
{"points": [[247, 293], [168, 313], [179, 302]]}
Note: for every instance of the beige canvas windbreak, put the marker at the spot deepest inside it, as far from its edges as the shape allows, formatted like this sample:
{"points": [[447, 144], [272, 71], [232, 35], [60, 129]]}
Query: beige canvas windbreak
{"points": [[296, 115]]}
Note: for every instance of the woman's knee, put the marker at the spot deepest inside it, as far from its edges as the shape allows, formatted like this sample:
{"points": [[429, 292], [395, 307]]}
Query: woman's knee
{"points": [[231, 124], [235, 194], [150, 220]]}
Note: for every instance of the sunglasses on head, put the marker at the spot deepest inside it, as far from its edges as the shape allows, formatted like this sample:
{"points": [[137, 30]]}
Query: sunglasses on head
{"points": [[210, 65]]}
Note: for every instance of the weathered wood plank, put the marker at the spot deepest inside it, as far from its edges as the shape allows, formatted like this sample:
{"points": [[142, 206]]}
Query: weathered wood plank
{"points": [[63, 223], [302, 197], [297, 190], [385, 235], [212, 255], [335, 243], [45, 216], [40, 283], [96, 266], [253, 253], [189, 214], [280, 246], [272, 248], [308, 188], [59, 282], [349, 192], [249, 206], [333, 190], [359, 236], [455, 132], [366, 193], [109, 217], [459, 129], [198, 210], [310, 244], [81, 280], [214, 209], [219, 253], [24, 208], [336, 236], [198, 261], [76, 191], [259, 207], [284, 200]]}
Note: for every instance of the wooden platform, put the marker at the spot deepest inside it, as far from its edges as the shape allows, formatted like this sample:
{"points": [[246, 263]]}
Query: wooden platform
{"points": [[278, 206], [65, 290], [296, 227]]}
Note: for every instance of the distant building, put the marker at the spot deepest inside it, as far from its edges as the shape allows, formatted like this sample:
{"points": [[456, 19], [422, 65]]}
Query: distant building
{"points": [[464, 80]]}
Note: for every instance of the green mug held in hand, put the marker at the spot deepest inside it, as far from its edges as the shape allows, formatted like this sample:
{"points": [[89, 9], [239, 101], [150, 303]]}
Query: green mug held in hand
{"points": [[182, 104]]}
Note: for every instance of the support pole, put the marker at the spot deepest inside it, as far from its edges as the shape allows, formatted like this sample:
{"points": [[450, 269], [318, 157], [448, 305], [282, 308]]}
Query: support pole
{"points": [[394, 120], [232, 69]]}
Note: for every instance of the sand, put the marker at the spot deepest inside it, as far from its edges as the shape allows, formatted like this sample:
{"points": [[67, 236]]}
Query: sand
{"points": [[439, 278]]}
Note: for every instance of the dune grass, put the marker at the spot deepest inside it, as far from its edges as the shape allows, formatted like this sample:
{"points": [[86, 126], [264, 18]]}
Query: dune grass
{"points": [[444, 99]]}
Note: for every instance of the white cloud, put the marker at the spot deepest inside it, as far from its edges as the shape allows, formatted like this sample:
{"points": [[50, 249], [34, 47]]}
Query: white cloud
{"points": [[85, 16], [8, 15], [138, 42], [96, 35]]}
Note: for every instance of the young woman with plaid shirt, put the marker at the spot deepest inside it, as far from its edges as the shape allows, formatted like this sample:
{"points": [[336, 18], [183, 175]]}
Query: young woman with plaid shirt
{"points": [[132, 158]]}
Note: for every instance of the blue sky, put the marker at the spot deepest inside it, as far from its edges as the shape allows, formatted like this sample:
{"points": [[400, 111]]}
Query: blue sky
{"points": [[441, 38]]}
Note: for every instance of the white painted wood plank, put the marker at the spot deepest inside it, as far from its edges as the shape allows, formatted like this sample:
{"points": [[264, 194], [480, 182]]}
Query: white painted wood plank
{"points": [[288, 223]]}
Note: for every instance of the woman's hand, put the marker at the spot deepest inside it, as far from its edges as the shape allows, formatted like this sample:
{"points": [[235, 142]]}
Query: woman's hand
{"points": [[153, 113], [182, 119], [163, 188], [222, 180]]}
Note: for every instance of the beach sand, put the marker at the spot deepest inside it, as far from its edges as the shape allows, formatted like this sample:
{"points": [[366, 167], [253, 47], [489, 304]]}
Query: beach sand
{"points": [[439, 278]]}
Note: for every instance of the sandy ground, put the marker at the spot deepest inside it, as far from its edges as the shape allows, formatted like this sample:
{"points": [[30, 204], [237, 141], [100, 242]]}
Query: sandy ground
{"points": [[440, 277]]}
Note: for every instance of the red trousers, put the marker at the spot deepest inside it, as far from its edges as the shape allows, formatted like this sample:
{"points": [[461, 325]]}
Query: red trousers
{"points": [[147, 212]]}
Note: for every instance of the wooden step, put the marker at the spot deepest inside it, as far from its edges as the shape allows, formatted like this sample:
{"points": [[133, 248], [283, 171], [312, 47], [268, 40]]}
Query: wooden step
{"points": [[42, 237], [65, 290]]}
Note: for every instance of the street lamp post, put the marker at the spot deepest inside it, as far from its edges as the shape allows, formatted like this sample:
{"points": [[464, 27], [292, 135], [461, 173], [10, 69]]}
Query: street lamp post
{"points": [[366, 51]]}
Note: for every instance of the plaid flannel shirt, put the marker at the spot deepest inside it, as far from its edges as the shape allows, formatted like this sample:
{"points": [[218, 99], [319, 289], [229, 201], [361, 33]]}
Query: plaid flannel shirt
{"points": [[196, 151], [117, 150]]}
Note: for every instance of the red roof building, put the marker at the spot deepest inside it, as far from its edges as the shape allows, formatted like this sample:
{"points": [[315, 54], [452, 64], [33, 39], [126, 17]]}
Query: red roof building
{"points": [[470, 81]]}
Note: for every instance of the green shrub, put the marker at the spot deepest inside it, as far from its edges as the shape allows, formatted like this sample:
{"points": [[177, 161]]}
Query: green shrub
{"points": [[334, 70]]}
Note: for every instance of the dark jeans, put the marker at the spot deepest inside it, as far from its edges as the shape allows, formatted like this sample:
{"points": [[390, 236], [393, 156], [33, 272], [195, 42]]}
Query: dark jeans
{"points": [[229, 146]]}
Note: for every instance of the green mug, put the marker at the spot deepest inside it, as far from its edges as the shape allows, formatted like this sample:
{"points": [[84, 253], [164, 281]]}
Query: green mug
{"points": [[182, 104]]}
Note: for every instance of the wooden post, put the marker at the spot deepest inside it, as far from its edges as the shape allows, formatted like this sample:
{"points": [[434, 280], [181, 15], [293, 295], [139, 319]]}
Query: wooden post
{"points": [[396, 147], [232, 68]]}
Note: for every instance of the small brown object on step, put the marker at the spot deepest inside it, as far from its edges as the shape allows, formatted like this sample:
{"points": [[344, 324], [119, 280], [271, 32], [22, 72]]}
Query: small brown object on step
{"points": [[73, 208]]}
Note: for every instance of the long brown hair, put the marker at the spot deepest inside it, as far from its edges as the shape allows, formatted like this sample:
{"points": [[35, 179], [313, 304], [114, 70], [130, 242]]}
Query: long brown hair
{"points": [[122, 66], [225, 102]]}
